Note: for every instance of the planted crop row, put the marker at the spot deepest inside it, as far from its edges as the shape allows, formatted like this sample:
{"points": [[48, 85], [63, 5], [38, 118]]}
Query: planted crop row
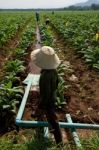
{"points": [[11, 89], [81, 31], [46, 37], [10, 24]]}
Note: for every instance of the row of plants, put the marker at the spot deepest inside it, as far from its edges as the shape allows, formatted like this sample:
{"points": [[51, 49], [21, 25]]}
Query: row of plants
{"points": [[81, 31], [11, 88], [10, 23], [48, 39], [46, 36]]}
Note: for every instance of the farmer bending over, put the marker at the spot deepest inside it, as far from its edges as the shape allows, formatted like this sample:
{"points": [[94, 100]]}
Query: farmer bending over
{"points": [[48, 61], [47, 21]]}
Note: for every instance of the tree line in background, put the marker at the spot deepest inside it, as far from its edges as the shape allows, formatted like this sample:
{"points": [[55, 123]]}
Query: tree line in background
{"points": [[72, 7], [92, 7]]}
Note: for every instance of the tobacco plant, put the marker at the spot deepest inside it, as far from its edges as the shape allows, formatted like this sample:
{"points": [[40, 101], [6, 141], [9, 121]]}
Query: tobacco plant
{"points": [[19, 53], [62, 87], [46, 37], [15, 66], [10, 98], [9, 94]]}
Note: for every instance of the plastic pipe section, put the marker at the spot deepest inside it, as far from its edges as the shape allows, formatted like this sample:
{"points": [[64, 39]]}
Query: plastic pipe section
{"points": [[24, 100], [73, 131], [29, 124], [46, 132]]}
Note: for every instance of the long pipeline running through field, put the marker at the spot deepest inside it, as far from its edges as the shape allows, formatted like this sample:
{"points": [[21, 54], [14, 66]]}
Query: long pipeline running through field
{"points": [[32, 80]]}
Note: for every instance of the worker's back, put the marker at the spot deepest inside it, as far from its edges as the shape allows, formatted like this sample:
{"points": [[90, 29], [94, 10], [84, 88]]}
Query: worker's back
{"points": [[48, 86]]}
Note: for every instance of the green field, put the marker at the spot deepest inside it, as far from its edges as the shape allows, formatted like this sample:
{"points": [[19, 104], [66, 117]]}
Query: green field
{"points": [[75, 37]]}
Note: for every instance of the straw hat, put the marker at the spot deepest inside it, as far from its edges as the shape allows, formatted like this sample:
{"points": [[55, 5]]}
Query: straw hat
{"points": [[45, 58]]}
